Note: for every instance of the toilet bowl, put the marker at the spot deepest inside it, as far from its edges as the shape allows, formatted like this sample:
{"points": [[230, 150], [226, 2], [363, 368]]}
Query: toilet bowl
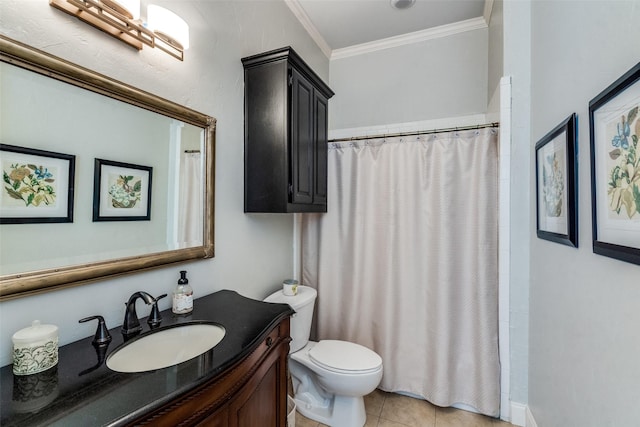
{"points": [[329, 392], [329, 377]]}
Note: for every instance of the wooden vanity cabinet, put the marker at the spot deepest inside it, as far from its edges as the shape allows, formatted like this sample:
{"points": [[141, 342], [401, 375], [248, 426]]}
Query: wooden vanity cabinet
{"points": [[252, 393], [286, 120]]}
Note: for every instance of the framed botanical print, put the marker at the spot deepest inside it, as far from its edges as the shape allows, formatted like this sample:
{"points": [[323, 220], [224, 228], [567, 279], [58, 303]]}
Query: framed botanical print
{"points": [[37, 186], [121, 191], [556, 184], [614, 125]]}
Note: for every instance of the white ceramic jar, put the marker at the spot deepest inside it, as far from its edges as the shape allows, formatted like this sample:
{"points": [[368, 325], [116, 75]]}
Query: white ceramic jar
{"points": [[290, 287], [35, 349]]}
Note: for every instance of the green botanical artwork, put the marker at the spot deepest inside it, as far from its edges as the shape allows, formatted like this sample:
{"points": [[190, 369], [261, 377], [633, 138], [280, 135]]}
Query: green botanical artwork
{"points": [[30, 184], [552, 185], [624, 169], [125, 191]]}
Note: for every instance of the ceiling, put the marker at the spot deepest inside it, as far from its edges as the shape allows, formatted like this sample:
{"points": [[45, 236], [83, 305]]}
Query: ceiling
{"points": [[341, 25]]}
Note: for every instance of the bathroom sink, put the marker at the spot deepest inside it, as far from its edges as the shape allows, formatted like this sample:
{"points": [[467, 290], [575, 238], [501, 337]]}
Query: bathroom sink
{"points": [[166, 347]]}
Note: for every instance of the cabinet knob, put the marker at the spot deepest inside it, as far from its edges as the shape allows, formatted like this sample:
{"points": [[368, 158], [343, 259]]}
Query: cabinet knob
{"points": [[269, 341]]}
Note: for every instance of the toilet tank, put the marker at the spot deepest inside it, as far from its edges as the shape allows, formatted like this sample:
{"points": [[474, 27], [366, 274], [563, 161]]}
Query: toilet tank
{"points": [[302, 304]]}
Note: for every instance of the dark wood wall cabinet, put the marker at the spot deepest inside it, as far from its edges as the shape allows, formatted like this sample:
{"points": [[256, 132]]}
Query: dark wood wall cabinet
{"points": [[285, 134], [250, 394]]}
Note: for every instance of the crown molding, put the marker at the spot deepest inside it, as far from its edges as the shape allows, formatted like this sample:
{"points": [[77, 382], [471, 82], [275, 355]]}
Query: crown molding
{"points": [[404, 39], [302, 16], [409, 38]]}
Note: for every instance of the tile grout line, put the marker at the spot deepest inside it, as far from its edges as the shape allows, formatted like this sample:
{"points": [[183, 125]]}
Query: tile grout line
{"points": [[380, 413], [384, 400]]}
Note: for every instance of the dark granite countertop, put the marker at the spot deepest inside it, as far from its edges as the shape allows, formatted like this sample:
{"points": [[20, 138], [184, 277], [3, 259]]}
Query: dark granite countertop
{"points": [[80, 391]]}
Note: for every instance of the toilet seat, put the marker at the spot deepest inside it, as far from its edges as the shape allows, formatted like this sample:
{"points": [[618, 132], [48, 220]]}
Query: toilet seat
{"points": [[345, 357]]}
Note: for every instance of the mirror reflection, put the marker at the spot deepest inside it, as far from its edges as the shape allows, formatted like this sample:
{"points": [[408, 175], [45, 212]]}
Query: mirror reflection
{"points": [[139, 186]]}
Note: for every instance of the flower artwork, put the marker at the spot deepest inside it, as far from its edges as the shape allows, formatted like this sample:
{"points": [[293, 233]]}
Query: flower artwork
{"points": [[33, 186], [553, 185], [126, 191], [556, 214], [624, 166], [551, 174], [614, 125], [121, 191], [37, 186]]}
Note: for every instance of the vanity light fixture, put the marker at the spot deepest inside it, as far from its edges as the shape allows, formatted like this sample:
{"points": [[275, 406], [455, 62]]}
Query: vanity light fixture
{"points": [[131, 7], [168, 27], [121, 19]]}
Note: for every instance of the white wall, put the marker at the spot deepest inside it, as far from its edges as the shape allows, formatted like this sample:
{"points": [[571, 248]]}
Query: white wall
{"points": [[253, 252], [496, 46], [495, 63], [433, 79], [584, 308]]}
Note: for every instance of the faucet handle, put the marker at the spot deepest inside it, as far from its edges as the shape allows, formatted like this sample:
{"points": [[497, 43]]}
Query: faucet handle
{"points": [[155, 318], [102, 336]]}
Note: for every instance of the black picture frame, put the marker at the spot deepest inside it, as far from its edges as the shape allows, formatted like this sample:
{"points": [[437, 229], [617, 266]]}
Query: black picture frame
{"points": [[41, 180], [557, 184], [121, 191], [614, 127]]}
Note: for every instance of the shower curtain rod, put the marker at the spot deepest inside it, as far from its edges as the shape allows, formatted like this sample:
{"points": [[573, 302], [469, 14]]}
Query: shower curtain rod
{"points": [[425, 132]]}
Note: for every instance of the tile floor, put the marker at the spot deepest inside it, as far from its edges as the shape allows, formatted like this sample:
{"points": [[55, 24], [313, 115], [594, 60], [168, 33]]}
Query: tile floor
{"points": [[393, 410]]}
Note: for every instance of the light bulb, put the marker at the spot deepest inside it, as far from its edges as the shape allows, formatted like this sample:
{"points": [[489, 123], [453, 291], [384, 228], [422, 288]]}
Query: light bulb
{"points": [[166, 23], [133, 6]]}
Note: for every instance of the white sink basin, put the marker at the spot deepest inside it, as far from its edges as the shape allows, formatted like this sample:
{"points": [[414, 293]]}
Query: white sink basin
{"points": [[164, 348]]}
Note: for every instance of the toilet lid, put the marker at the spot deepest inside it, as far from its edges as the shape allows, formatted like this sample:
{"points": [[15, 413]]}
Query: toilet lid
{"points": [[343, 356]]}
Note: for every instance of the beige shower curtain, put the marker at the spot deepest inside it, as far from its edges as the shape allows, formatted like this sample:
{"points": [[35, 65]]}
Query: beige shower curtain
{"points": [[405, 261], [191, 210]]}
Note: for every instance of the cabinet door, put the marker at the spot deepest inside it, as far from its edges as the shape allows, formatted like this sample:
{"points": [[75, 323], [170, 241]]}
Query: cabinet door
{"points": [[320, 148], [262, 401], [302, 136], [259, 408]]}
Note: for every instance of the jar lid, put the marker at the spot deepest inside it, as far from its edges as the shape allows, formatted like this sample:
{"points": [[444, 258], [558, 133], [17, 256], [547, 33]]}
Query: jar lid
{"points": [[35, 332]]}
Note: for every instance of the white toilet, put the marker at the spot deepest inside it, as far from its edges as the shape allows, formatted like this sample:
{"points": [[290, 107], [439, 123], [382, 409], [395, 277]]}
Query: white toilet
{"points": [[329, 377]]}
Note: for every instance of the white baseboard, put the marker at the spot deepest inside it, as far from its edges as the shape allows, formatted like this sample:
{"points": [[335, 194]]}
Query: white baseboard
{"points": [[531, 422], [521, 415], [518, 414]]}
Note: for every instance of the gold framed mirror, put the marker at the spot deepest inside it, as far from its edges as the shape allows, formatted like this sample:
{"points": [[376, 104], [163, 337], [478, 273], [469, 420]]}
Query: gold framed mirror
{"points": [[51, 105]]}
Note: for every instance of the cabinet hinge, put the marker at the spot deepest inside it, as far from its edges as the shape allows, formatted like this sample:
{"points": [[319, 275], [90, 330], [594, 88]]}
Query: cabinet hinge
{"points": [[290, 78], [291, 189]]}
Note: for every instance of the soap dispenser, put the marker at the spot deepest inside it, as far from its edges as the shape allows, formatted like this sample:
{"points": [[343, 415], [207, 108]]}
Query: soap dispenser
{"points": [[183, 296]]}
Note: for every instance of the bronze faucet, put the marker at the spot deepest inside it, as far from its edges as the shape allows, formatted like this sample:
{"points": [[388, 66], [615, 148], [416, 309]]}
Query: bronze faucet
{"points": [[131, 324]]}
